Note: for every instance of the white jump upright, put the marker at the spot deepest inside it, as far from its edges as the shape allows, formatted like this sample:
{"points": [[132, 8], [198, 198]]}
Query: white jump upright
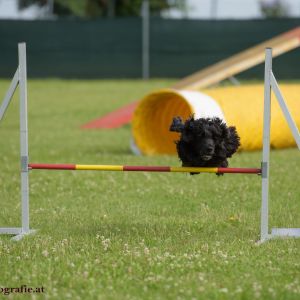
{"points": [[20, 78], [271, 84]]}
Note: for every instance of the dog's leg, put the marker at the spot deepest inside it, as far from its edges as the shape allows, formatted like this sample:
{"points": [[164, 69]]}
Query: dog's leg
{"points": [[224, 164]]}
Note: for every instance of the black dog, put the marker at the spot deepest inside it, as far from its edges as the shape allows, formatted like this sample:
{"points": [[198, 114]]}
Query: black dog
{"points": [[205, 142]]}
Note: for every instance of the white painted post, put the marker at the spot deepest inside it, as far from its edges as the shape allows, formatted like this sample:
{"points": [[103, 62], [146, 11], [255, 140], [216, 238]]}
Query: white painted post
{"points": [[20, 78], [264, 229], [271, 84], [9, 94], [285, 110], [24, 137]]}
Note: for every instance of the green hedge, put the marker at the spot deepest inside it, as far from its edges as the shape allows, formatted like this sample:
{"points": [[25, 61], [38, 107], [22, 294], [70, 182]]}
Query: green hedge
{"points": [[111, 48]]}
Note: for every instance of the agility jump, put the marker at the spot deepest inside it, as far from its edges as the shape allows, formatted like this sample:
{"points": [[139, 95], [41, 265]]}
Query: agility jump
{"points": [[142, 168], [20, 78]]}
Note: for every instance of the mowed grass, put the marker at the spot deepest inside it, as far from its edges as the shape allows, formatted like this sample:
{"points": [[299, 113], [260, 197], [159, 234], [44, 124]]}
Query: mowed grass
{"points": [[105, 235]]}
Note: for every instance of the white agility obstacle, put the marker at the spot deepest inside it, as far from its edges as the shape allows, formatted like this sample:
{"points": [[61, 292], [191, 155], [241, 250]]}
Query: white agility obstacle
{"points": [[271, 84], [20, 78]]}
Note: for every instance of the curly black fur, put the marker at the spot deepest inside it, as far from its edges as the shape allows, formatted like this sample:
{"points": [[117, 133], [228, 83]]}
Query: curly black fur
{"points": [[205, 142]]}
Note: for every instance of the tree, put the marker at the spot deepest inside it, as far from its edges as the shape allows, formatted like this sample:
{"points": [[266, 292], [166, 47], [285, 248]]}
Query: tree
{"points": [[273, 8], [102, 8]]}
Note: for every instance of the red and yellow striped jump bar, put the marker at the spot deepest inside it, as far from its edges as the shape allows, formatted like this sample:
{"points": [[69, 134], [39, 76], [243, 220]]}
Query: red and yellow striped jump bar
{"points": [[143, 168]]}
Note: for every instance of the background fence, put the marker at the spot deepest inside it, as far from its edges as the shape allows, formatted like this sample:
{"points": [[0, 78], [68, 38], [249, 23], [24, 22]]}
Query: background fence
{"points": [[111, 48]]}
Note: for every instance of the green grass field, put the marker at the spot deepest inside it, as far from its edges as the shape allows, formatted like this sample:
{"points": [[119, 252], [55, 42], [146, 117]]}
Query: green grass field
{"points": [[137, 235]]}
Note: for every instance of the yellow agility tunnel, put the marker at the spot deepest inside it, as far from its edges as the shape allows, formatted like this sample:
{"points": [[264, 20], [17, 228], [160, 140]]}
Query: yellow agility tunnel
{"points": [[240, 106]]}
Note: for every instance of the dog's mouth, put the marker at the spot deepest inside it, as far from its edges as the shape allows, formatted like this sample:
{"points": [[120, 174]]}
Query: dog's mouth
{"points": [[206, 157]]}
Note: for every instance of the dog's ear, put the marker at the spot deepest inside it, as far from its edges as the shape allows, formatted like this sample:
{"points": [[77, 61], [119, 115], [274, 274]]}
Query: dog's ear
{"points": [[217, 127], [190, 123], [187, 134], [232, 141], [177, 125]]}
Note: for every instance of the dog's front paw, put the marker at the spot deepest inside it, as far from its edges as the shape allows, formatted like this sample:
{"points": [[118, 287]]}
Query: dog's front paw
{"points": [[194, 173]]}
